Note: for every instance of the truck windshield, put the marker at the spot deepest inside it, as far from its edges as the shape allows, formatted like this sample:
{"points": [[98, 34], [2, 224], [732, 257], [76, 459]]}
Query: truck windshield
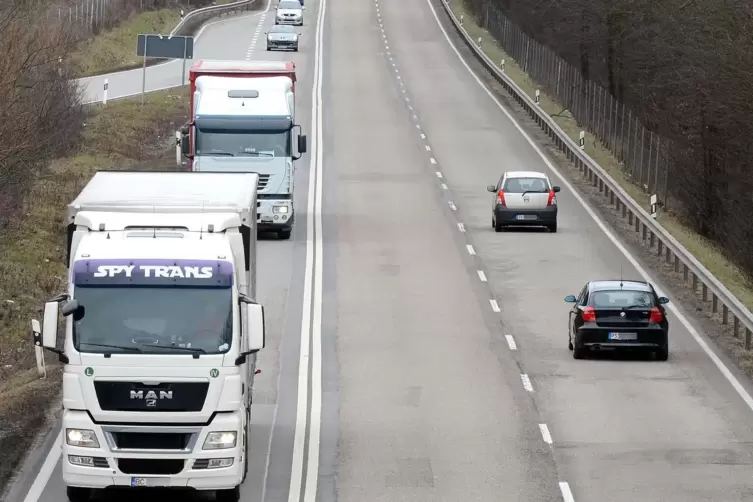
{"points": [[159, 320], [243, 143]]}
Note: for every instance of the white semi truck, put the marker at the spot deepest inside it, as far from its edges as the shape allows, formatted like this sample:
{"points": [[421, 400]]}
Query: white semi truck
{"points": [[243, 119], [162, 328]]}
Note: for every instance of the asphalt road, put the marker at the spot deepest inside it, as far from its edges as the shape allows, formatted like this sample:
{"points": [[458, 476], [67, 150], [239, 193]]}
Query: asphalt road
{"points": [[420, 355]]}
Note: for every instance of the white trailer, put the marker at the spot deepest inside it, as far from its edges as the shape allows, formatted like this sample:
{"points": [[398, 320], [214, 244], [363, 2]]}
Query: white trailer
{"points": [[162, 329]]}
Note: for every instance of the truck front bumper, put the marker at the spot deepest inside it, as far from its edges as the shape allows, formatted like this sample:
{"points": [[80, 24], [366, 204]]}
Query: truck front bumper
{"points": [[109, 466], [274, 214]]}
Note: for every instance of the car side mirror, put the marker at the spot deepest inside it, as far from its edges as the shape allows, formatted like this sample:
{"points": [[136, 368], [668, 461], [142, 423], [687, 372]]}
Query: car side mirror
{"points": [[663, 300], [555, 189], [570, 299], [491, 188]]}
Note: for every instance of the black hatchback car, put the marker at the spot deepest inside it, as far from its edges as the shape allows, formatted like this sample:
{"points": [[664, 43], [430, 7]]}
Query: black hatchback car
{"points": [[618, 314]]}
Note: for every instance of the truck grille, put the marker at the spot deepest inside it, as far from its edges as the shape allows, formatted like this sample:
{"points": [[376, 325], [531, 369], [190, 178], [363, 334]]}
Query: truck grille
{"points": [[136, 396], [263, 180], [165, 467], [150, 440]]}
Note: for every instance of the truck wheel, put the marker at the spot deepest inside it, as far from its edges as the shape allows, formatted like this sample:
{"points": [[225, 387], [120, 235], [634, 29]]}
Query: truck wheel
{"points": [[231, 495], [285, 234], [78, 494]]}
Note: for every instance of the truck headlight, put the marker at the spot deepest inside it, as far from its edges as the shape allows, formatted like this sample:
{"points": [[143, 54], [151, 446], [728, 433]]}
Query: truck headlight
{"points": [[280, 209], [220, 440], [81, 437]]}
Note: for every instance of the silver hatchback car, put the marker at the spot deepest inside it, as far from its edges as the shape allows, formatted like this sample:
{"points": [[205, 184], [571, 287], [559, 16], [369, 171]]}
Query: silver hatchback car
{"points": [[524, 198], [289, 12]]}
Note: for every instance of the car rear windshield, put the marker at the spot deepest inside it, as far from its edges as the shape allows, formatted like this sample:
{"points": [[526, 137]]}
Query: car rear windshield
{"points": [[618, 299], [530, 185], [294, 4]]}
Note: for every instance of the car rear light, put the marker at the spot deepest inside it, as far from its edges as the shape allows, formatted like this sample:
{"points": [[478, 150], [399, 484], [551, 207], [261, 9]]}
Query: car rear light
{"points": [[656, 315], [589, 315], [552, 198], [501, 198]]}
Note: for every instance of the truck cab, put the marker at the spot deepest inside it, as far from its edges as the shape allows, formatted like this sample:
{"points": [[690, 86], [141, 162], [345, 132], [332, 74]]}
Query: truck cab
{"points": [[161, 332]]}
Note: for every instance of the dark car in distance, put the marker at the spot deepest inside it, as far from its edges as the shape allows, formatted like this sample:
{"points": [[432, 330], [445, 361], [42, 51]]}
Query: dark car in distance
{"points": [[618, 314]]}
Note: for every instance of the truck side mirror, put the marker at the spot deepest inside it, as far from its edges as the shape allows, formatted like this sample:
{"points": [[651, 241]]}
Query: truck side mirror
{"points": [[255, 329], [46, 337], [302, 144]]}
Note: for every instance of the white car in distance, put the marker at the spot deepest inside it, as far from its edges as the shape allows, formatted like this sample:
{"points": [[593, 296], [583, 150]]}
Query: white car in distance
{"points": [[289, 12]]}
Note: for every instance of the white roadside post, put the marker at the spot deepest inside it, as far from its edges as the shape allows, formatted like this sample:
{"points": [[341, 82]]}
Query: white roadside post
{"points": [[178, 150], [654, 204], [582, 140], [104, 95]]}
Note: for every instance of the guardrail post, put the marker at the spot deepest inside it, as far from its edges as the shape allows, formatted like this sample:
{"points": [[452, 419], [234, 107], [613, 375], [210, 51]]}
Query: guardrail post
{"points": [[582, 140]]}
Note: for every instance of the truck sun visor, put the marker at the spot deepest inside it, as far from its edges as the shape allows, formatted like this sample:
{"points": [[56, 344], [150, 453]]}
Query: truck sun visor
{"points": [[153, 272]]}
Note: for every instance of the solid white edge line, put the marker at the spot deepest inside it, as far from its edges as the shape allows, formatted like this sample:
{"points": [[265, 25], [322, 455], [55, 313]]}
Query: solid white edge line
{"points": [[567, 495], [545, 434], [301, 423], [312, 471], [48, 467], [511, 342], [746, 397]]}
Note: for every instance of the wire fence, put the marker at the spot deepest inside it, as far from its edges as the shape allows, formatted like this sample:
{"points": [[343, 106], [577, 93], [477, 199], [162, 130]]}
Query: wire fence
{"points": [[643, 154]]}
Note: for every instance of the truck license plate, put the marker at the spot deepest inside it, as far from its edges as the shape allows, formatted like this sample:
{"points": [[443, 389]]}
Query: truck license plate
{"points": [[149, 482]]}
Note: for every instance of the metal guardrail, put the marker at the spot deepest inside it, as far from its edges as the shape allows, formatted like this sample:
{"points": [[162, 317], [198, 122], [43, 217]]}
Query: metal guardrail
{"points": [[639, 218], [195, 18]]}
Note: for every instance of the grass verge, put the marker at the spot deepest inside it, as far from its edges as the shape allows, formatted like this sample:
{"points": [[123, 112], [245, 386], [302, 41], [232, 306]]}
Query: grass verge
{"points": [[115, 49], [124, 134], [709, 254]]}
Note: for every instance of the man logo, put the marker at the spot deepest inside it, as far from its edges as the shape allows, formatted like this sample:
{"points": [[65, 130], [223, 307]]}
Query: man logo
{"points": [[151, 397]]}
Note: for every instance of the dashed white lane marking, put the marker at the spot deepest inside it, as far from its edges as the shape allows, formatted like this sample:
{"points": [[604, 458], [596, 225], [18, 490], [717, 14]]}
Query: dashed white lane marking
{"points": [[470, 249], [428, 148], [433, 160], [423, 136], [481, 275], [566, 493], [452, 206], [527, 385], [545, 433], [511, 342], [461, 227], [255, 38], [495, 305], [444, 187], [439, 174]]}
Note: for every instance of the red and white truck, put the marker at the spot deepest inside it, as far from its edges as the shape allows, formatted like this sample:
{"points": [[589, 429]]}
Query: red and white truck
{"points": [[243, 120]]}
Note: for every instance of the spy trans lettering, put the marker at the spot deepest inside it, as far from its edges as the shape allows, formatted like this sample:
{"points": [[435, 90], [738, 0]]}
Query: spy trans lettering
{"points": [[153, 272]]}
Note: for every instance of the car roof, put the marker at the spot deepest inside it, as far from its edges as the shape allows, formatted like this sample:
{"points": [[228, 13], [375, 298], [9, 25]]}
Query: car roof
{"points": [[525, 174], [626, 284]]}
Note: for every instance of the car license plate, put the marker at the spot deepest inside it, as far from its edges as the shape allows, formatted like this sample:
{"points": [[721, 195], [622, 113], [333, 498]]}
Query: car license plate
{"points": [[149, 482], [526, 217], [623, 336]]}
